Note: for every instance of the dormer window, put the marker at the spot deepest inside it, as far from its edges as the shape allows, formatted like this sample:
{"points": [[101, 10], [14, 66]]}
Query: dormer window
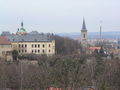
{"points": [[35, 39], [22, 39]]}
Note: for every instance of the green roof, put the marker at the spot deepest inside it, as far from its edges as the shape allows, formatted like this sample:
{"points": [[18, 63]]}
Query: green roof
{"points": [[22, 30]]}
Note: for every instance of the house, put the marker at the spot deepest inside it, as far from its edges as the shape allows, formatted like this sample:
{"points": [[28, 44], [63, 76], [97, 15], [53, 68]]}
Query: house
{"points": [[92, 49], [5, 48]]}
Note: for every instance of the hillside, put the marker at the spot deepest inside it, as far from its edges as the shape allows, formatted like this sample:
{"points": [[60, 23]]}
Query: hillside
{"points": [[92, 35]]}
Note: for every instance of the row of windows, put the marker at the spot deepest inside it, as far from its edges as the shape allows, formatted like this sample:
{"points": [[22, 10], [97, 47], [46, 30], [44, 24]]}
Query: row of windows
{"points": [[33, 51], [38, 51], [33, 45], [38, 45], [22, 51], [22, 45]]}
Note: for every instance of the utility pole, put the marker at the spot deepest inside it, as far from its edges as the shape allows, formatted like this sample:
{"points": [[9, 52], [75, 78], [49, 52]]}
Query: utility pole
{"points": [[100, 30], [100, 41]]}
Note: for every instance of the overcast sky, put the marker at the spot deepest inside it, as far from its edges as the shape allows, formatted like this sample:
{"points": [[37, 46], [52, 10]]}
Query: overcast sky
{"points": [[59, 15]]}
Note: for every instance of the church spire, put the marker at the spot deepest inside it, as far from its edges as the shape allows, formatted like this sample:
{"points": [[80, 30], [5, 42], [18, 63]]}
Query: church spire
{"points": [[84, 34], [84, 25]]}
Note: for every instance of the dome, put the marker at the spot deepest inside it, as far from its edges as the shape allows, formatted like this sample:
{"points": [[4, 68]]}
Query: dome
{"points": [[21, 31]]}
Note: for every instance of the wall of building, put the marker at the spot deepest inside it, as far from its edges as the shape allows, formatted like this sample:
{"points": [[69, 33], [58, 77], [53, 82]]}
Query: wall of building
{"points": [[83, 33], [5, 52], [4, 49], [47, 48]]}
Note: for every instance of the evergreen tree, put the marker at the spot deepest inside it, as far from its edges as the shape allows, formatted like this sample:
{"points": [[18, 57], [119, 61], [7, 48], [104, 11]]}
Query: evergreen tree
{"points": [[15, 54]]}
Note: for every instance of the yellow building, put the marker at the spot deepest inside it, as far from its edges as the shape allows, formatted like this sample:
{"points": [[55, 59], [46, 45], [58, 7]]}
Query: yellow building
{"points": [[47, 48], [34, 42], [5, 48]]}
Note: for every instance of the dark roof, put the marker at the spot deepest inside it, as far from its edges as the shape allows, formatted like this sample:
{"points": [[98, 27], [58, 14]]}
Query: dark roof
{"points": [[29, 38], [4, 41], [34, 32], [84, 26], [5, 33]]}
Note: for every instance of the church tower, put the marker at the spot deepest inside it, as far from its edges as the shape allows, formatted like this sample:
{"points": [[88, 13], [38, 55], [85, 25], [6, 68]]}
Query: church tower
{"points": [[84, 33], [21, 31]]}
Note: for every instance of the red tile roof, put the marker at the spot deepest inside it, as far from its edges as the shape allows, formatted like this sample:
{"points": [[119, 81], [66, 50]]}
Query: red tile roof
{"points": [[4, 40], [114, 51], [94, 48]]}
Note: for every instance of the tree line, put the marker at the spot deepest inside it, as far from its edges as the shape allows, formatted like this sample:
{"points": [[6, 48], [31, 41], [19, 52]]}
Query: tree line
{"points": [[70, 71]]}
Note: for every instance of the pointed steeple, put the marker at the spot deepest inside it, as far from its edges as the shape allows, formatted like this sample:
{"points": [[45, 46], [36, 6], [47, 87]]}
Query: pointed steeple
{"points": [[84, 34], [84, 25]]}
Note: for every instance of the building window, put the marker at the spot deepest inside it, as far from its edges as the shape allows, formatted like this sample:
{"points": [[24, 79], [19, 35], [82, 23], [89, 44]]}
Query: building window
{"points": [[22, 45], [35, 51], [32, 45], [19, 51], [84, 36], [49, 45], [49, 51], [25, 50], [32, 51], [38, 51], [43, 45], [25, 45], [19, 45], [35, 45], [22, 51], [22, 40], [35, 39], [38, 45]]}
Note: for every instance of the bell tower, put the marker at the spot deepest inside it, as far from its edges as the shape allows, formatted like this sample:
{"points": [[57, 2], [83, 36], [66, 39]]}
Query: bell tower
{"points": [[84, 33], [22, 30]]}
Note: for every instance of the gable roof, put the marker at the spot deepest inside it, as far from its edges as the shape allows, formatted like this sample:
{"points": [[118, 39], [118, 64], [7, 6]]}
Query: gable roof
{"points": [[29, 38], [94, 48]]}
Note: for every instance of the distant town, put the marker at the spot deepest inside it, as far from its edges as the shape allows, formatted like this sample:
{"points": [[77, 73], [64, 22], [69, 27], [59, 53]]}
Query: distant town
{"points": [[40, 43], [39, 61]]}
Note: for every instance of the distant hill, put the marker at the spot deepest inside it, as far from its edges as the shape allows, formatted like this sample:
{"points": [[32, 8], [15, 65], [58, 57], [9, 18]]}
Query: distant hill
{"points": [[92, 35]]}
